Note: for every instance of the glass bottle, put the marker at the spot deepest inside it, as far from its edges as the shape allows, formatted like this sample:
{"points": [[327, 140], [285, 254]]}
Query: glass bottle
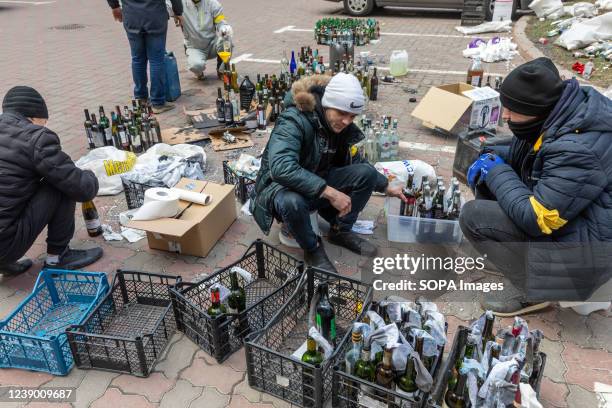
{"points": [[326, 315]]}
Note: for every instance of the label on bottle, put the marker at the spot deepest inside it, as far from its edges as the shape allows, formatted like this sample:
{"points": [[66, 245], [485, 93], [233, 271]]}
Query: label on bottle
{"points": [[476, 80], [261, 117], [109, 135], [123, 138], [232, 310], [92, 225]]}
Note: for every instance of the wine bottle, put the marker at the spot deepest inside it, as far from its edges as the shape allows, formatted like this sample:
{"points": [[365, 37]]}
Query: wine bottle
{"points": [[384, 371], [97, 133], [135, 136], [88, 130], [229, 110], [236, 300], [314, 357], [220, 106], [115, 130], [92, 219], [261, 116], [455, 398], [234, 79], [407, 382], [105, 127], [216, 308], [326, 315], [374, 86], [487, 332], [353, 355]]}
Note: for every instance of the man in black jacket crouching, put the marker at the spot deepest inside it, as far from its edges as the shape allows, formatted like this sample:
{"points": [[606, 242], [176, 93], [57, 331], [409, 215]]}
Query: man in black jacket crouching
{"points": [[40, 187]]}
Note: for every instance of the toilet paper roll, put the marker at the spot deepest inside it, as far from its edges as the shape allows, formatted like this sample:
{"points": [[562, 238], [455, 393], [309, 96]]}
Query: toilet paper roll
{"points": [[159, 202], [198, 198]]}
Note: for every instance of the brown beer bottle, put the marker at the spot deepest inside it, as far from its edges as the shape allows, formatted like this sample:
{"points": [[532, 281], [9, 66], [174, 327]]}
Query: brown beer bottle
{"points": [[92, 220]]}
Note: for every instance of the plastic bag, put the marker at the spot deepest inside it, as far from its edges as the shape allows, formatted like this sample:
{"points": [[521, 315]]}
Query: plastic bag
{"points": [[246, 166], [246, 275], [437, 331], [108, 163], [496, 386], [543, 8], [581, 9], [397, 171], [375, 318], [488, 27], [496, 49], [604, 5], [584, 33]]}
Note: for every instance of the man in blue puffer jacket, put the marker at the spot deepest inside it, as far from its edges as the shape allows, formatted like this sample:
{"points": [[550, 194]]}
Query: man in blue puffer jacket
{"points": [[548, 226]]}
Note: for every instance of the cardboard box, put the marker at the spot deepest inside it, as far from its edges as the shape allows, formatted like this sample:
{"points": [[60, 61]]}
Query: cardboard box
{"points": [[199, 227], [449, 109], [486, 108]]}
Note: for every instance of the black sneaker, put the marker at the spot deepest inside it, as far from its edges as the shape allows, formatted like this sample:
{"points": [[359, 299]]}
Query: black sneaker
{"points": [[510, 302], [318, 259], [352, 242], [15, 268], [76, 258]]}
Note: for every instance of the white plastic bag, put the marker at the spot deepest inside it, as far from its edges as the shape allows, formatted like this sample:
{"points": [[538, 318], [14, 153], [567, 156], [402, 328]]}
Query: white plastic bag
{"points": [[397, 171], [488, 27], [108, 163], [496, 49], [581, 9], [604, 5], [543, 8], [583, 33]]}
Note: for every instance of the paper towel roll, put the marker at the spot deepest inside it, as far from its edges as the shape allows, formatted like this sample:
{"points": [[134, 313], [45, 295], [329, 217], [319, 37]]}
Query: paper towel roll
{"points": [[198, 198], [159, 202]]}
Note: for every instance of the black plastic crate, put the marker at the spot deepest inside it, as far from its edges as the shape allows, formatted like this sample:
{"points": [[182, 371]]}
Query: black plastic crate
{"points": [[242, 185], [270, 366], [436, 398], [275, 277], [349, 390], [134, 191], [130, 328]]}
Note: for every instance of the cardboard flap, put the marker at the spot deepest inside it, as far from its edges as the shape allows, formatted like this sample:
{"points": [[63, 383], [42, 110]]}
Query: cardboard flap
{"points": [[191, 217], [165, 226], [442, 108]]}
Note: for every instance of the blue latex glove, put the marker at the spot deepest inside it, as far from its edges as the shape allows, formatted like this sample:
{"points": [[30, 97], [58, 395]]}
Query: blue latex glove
{"points": [[477, 173]]}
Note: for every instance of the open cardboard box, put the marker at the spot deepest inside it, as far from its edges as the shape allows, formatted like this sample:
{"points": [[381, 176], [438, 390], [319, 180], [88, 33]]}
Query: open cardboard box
{"points": [[455, 108], [199, 227]]}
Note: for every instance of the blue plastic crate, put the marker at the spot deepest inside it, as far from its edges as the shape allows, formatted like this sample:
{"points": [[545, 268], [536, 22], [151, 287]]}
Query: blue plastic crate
{"points": [[33, 336]]}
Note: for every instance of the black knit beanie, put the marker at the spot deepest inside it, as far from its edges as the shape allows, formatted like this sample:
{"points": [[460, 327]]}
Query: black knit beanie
{"points": [[533, 88], [25, 101]]}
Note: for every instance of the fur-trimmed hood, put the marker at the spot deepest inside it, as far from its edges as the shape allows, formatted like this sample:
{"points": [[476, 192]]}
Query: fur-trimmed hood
{"points": [[302, 92]]}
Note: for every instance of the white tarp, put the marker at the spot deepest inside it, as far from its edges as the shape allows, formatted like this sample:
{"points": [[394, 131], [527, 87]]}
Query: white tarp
{"points": [[584, 33]]}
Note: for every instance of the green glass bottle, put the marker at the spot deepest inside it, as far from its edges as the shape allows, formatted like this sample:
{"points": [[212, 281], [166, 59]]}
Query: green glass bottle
{"points": [[314, 357], [364, 367], [487, 332], [407, 382], [236, 300], [456, 398], [326, 315]]}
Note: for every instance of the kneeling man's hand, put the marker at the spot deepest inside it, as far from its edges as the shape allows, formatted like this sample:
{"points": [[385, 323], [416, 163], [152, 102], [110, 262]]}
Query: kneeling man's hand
{"points": [[338, 200], [396, 190]]}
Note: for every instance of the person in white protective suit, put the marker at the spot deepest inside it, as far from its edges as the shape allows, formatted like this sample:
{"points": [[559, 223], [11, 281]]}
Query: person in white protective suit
{"points": [[204, 27]]}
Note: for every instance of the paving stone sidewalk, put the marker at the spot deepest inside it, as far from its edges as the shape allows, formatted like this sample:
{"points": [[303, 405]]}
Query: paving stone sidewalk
{"points": [[78, 57]]}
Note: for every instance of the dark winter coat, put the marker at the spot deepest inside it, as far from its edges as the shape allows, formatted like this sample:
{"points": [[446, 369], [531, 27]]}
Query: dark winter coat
{"points": [[292, 155], [146, 16], [29, 156], [559, 191]]}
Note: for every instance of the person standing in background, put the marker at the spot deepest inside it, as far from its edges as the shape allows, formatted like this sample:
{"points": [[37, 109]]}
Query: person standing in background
{"points": [[146, 25]]}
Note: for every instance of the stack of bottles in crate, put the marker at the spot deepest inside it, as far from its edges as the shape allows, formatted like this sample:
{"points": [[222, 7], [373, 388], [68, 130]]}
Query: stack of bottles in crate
{"points": [[381, 141], [488, 368], [396, 342], [431, 199]]}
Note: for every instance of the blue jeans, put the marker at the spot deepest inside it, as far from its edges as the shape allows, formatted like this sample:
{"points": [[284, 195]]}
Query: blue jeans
{"points": [[152, 48], [355, 180]]}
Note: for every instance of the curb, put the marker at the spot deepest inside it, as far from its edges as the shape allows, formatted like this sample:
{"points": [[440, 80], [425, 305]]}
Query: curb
{"points": [[529, 51]]}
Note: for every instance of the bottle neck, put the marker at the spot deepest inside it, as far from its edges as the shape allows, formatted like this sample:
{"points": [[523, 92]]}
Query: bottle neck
{"points": [[365, 354], [387, 363], [311, 345], [234, 278]]}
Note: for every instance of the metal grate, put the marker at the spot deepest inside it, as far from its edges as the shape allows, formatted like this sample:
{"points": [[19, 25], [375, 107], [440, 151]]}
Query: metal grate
{"points": [[68, 27]]}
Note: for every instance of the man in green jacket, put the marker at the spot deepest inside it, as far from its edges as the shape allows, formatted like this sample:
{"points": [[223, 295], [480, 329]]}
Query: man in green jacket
{"points": [[308, 165]]}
